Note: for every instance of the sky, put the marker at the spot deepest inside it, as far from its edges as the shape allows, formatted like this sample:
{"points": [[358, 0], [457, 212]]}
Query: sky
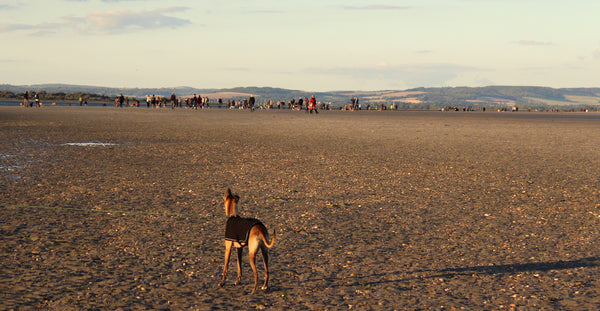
{"points": [[311, 45]]}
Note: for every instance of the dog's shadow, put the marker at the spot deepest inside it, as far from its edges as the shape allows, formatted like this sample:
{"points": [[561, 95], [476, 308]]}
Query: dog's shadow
{"points": [[525, 267], [509, 268], [388, 278]]}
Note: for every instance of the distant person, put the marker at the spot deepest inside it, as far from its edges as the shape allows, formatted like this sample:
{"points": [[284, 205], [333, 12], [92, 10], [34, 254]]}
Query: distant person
{"points": [[121, 100], [200, 100], [173, 101], [313, 104], [148, 101], [37, 99], [26, 99], [251, 102], [80, 101]]}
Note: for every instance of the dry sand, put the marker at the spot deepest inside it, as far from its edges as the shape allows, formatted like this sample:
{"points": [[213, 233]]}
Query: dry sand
{"points": [[373, 210]]}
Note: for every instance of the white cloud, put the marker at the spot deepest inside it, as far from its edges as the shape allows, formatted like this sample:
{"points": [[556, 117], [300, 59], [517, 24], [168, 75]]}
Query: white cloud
{"points": [[106, 22], [45, 27], [122, 20], [533, 43]]}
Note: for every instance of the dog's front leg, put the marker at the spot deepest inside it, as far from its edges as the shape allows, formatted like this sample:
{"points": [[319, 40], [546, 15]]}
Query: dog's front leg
{"points": [[239, 265], [227, 254]]}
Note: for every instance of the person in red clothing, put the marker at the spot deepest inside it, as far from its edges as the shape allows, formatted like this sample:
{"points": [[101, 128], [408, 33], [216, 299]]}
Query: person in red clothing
{"points": [[312, 105]]}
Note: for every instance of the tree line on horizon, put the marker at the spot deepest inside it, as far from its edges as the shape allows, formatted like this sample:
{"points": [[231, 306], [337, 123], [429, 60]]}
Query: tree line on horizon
{"points": [[57, 96]]}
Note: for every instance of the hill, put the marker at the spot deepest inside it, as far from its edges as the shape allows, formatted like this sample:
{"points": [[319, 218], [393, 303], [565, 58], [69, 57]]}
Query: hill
{"points": [[107, 91]]}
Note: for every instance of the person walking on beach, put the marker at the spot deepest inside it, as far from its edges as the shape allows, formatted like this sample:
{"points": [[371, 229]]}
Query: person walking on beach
{"points": [[251, 102], [173, 100], [37, 99], [26, 99], [200, 102], [312, 104], [121, 100]]}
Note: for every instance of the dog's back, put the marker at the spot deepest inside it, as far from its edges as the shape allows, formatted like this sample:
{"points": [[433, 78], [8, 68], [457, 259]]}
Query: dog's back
{"points": [[237, 229]]}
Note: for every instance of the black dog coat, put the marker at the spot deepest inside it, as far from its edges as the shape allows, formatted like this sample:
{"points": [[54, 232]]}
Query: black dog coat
{"points": [[238, 228]]}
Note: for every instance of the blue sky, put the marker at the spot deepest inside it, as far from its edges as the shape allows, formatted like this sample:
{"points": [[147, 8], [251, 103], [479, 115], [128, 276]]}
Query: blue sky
{"points": [[312, 45]]}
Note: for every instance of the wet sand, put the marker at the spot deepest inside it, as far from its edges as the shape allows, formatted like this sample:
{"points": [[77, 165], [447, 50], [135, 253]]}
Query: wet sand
{"points": [[104, 208]]}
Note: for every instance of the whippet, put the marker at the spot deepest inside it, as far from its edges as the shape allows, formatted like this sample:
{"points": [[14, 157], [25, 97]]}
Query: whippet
{"points": [[239, 232]]}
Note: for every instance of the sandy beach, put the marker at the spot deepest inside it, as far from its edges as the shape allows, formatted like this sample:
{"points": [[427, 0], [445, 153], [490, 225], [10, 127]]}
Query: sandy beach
{"points": [[121, 209]]}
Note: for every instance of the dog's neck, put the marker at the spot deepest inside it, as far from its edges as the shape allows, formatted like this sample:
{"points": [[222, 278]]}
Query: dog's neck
{"points": [[230, 208], [230, 202]]}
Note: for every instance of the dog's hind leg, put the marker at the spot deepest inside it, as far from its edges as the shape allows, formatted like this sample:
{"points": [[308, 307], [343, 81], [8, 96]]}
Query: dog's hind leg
{"points": [[265, 253], [239, 265], [252, 251], [227, 254]]}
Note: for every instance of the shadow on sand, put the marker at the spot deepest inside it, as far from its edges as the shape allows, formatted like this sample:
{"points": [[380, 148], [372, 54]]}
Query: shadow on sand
{"points": [[527, 267], [508, 268], [388, 278]]}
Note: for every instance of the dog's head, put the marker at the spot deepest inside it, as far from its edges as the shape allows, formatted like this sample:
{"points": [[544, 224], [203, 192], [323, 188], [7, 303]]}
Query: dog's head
{"points": [[230, 202]]}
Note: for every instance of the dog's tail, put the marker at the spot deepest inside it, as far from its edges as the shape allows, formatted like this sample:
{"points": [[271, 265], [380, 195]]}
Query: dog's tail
{"points": [[264, 239]]}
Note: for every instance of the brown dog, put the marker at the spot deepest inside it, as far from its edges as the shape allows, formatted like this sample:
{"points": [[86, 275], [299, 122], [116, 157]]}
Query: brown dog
{"points": [[240, 232]]}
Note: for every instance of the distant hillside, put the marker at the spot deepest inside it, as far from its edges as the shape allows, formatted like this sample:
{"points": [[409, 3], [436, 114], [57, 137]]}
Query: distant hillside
{"points": [[108, 91], [491, 97], [270, 93]]}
